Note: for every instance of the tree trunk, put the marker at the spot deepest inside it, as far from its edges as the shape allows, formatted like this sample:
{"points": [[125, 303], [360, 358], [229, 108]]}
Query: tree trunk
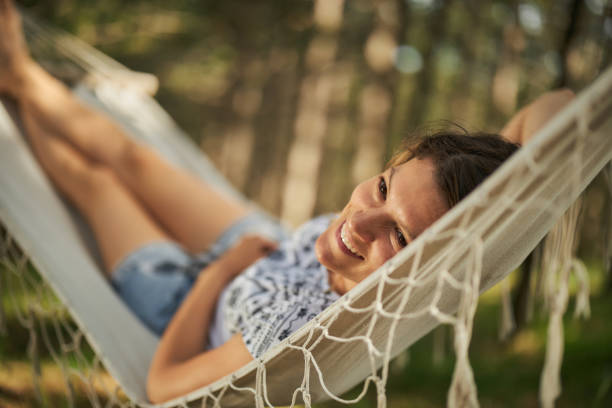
{"points": [[570, 31]]}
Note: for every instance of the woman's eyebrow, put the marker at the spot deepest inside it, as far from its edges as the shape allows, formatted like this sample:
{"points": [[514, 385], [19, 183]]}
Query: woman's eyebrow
{"points": [[403, 225], [391, 173]]}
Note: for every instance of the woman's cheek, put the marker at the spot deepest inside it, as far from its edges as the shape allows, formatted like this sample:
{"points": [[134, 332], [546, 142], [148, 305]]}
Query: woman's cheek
{"points": [[386, 253], [360, 192], [376, 263]]}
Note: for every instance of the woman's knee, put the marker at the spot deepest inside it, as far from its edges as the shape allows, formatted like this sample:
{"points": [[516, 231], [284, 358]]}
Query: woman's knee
{"points": [[135, 158], [87, 184], [97, 181], [74, 174]]}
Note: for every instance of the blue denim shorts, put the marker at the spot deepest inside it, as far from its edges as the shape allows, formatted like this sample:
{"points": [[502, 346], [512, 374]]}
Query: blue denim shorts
{"points": [[155, 278]]}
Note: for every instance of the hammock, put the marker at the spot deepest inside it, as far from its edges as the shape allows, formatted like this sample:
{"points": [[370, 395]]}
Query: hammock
{"points": [[436, 279]]}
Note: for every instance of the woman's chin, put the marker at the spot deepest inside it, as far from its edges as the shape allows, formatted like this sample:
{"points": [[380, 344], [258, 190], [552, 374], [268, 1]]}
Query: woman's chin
{"points": [[323, 251]]}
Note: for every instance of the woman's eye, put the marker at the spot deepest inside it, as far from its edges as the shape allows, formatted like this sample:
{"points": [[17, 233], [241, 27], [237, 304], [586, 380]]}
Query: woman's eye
{"points": [[382, 187], [401, 240]]}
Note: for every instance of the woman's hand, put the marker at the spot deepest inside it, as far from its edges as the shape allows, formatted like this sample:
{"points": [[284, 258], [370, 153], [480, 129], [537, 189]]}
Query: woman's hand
{"points": [[180, 364], [534, 116], [249, 249]]}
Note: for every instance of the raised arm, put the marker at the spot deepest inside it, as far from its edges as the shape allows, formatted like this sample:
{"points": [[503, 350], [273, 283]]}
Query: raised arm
{"points": [[180, 365], [527, 121]]}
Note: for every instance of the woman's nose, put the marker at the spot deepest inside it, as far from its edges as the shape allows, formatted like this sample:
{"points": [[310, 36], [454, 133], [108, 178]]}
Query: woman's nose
{"points": [[365, 223]]}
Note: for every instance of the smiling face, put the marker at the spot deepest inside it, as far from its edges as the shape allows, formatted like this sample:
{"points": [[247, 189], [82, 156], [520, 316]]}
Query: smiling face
{"points": [[384, 214]]}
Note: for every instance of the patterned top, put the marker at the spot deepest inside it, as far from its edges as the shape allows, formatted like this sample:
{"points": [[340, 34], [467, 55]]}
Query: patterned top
{"points": [[276, 295]]}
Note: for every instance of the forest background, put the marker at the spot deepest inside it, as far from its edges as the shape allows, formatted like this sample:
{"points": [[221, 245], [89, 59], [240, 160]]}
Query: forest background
{"points": [[297, 101]]}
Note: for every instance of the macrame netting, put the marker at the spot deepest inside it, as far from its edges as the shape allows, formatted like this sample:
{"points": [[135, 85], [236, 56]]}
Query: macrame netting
{"points": [[437, 279]]}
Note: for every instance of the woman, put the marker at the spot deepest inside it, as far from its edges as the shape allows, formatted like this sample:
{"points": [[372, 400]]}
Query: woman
{"points": [[220, 308]]}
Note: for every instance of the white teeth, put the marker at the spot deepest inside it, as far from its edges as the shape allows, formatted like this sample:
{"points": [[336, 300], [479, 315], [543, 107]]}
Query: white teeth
{"points": [[345, 240]]}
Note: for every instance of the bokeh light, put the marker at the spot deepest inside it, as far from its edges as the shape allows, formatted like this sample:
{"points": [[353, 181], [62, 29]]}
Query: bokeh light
{"points": [[530, 18], [408, 59]]}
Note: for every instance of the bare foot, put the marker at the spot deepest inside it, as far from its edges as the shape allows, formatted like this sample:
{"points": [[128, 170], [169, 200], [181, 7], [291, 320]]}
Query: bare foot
{"points": [[13, 51]]}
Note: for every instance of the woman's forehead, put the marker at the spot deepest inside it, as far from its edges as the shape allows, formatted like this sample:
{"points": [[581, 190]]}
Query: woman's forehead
{"points": [[414, 195]]}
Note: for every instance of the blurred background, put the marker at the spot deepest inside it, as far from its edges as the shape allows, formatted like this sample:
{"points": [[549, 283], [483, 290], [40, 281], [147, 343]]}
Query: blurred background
{"points": [[297, 101]]}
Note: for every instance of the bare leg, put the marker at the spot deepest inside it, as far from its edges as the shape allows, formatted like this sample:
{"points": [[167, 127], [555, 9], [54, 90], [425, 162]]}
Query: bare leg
{"points": [[120, 224], [191, 211]]}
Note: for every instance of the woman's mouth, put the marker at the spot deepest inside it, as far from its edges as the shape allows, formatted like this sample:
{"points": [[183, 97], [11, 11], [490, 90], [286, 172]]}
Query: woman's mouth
{"points": [[344, 243]]}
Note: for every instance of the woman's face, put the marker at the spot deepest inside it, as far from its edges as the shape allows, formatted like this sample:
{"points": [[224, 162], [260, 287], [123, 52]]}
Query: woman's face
{"points": [[385, 213]]}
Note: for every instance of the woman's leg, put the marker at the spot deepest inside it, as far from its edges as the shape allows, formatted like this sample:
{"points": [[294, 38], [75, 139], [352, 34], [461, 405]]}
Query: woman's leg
{"points": [[120, 224], [192, 212]]}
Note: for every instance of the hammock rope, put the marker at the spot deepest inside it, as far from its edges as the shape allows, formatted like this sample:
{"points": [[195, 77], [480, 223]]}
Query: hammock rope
{"points": [[436, 280], [97, 65]]}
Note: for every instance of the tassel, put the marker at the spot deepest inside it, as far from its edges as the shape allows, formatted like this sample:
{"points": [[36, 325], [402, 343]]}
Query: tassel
{"points": [[508, 323], [583, 308]]}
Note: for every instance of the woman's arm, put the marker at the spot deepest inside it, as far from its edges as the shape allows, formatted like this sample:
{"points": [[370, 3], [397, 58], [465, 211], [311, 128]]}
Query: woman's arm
{"points": [[179, 364], [526, 122]]}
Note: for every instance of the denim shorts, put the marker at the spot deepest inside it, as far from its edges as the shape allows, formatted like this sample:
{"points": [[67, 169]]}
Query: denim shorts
{"points": [[154, 279]]}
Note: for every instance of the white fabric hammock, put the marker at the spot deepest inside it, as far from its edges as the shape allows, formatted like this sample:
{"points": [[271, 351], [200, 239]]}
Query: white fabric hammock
{"points": [[437, 279]]}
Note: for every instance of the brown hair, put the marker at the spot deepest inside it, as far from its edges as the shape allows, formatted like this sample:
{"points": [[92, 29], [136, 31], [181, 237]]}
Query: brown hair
{"points": [[462, 160]]}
